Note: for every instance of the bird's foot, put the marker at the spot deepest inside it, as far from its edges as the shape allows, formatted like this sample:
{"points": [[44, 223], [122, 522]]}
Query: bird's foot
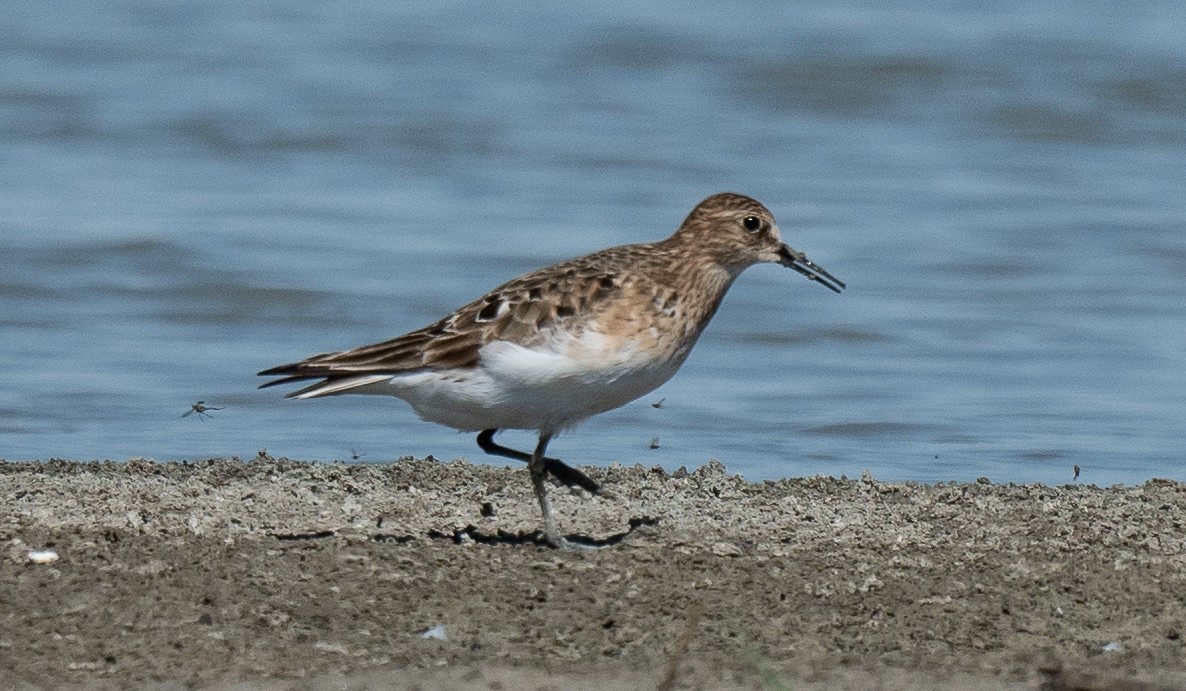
{"points": [[565, 545]]}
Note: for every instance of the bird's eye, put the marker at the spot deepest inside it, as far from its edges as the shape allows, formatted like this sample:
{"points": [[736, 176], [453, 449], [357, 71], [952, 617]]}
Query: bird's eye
{"points": [[752, 223]]}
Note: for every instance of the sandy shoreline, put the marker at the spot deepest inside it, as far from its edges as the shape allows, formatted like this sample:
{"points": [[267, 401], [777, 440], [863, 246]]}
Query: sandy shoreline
{"points": [[280, 574]]}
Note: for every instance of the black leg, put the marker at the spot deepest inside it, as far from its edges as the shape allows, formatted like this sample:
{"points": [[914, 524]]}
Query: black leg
{"points": [[558, 469]]}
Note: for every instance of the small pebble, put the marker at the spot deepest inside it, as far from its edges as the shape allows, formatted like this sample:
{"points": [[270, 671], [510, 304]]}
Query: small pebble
{"points": [[43, 556]]}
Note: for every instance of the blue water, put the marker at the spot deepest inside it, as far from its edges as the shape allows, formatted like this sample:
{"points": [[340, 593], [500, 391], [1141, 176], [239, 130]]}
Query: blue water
{"points": [[192, 192]]}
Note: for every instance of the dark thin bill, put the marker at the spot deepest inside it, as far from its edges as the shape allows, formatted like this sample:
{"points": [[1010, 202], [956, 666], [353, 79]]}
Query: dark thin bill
{"points": [[814, 272]]}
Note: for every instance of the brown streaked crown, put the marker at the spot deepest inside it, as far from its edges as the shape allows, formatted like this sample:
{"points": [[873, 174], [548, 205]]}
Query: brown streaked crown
{"points": [[735, 230]]}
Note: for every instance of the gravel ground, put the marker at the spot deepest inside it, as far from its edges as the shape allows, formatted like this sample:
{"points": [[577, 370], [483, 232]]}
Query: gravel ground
{"points": [[275, 574]]}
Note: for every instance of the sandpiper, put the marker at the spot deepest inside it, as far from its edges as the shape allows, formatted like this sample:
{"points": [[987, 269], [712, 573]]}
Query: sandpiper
{"points": [[548, 349]]}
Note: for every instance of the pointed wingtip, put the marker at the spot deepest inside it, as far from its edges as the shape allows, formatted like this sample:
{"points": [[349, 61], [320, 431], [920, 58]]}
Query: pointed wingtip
{"points": [[327, 385]]}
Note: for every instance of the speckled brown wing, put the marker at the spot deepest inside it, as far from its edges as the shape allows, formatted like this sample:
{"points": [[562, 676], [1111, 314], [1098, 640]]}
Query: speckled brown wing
{"points": [[525, 309], [521, 310]]}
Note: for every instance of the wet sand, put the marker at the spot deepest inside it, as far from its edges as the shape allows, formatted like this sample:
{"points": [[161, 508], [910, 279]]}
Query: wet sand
{"points": [[273, 574]]}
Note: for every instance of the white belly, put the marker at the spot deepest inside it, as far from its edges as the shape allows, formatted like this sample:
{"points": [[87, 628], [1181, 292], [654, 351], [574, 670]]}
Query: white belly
{"points": [[546, 389]]}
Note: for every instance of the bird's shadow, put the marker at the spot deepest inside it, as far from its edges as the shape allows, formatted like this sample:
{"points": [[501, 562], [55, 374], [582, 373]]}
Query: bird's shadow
{"points": [[475, 534], [535, 537]]}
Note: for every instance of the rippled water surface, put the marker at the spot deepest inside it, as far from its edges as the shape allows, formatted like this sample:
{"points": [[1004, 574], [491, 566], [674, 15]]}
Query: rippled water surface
{"points": [[190, 193]]}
